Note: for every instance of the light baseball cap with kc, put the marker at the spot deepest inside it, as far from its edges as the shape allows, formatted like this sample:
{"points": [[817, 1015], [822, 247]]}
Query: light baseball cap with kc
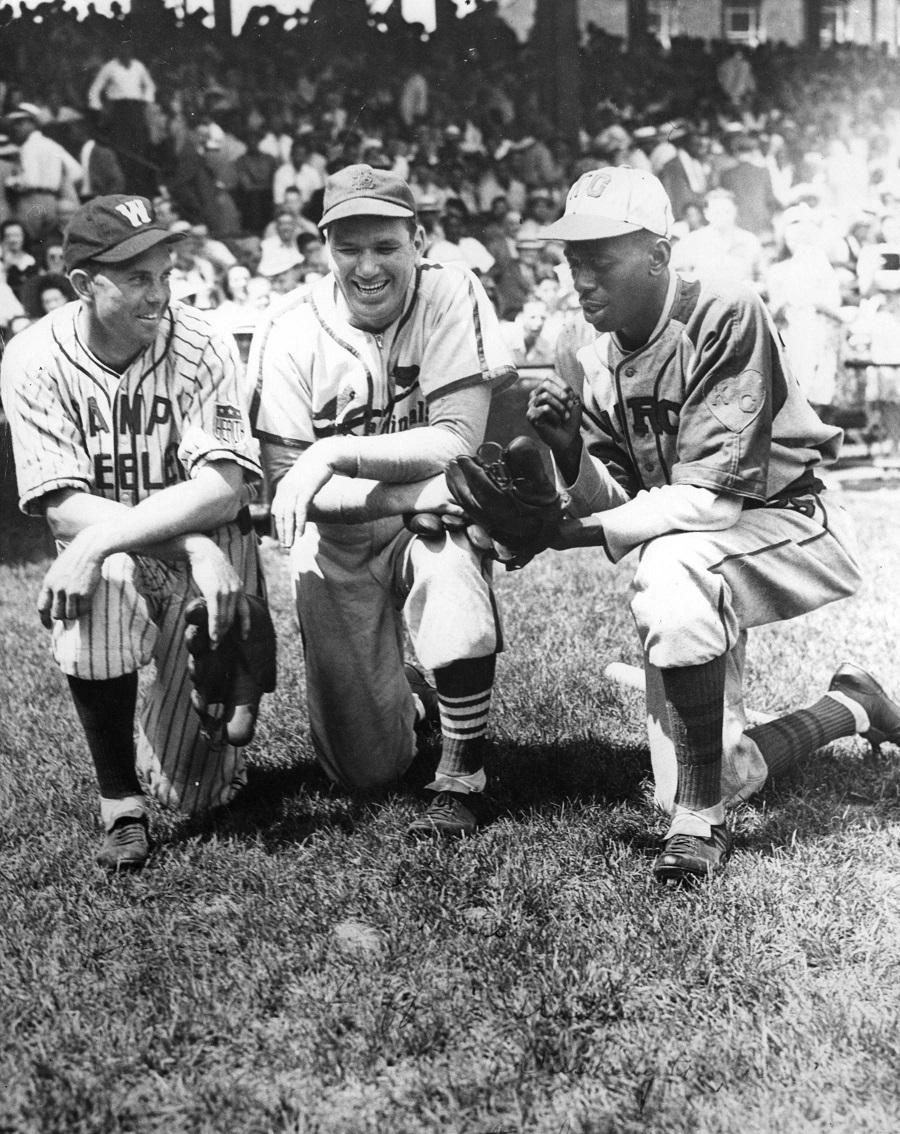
{"points": [[611, 202]]}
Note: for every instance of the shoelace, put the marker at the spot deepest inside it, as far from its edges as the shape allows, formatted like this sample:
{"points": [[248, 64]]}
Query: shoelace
{"points": [[129, 835]]}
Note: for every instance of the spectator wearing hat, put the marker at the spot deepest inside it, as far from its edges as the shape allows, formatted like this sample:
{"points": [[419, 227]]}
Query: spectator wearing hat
{"points": [[720, 249], [46, 171], [282, 267], [9, 155]]}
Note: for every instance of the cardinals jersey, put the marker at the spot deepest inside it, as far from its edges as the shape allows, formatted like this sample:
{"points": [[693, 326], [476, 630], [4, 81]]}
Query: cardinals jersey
{"points": [[316, 376]]}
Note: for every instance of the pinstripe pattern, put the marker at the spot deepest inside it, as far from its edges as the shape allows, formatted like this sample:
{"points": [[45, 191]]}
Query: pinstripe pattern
{"points": [[77, 423]]}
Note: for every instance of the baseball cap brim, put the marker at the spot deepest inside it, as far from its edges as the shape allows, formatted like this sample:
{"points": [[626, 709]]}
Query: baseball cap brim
{"points": [[137, 244], [363, 207], [575, 227]]}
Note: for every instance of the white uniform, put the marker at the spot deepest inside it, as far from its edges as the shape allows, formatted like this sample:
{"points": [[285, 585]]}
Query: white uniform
{"points": [[708, 402], [78, 424], [316, 376]]}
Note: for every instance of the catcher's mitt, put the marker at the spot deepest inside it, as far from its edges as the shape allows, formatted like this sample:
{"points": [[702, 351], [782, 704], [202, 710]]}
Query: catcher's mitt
{"points": [[229, 682], [509, 494]]}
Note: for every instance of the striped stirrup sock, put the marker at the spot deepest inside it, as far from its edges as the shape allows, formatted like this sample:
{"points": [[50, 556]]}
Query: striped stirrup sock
{"points": [[464, 697]]}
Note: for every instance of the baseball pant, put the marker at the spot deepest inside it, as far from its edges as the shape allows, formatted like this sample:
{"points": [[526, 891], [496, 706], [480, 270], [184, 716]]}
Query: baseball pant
{"points": [[355, 585], [695, 595], [137, 617]]}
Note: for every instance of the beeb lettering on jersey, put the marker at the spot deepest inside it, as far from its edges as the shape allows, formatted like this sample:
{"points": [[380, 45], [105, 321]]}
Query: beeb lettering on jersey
{"points": [[138, 473]]}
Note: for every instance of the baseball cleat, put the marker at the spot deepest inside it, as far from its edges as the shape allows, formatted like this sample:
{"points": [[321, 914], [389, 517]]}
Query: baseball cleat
{"points": [[692, 858], [883, 713], [126, 846], [448, 817], [427, 694]]}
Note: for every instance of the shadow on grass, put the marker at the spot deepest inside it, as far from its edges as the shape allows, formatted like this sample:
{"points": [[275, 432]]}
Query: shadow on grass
{"points": [[280, 806], [529, 777]]}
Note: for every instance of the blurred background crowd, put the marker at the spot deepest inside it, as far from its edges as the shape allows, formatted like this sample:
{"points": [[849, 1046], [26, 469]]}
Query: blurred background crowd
{"points": [[782, 163]]}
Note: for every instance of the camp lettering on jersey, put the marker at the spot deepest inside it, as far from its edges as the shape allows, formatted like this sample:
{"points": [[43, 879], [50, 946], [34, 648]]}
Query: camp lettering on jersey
{"points": [[126, 436], [706, 402], [316, 376]]}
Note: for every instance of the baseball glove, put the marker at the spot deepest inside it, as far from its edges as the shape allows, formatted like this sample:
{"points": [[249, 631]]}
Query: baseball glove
{"points": [[228, 683], [508, 493]]}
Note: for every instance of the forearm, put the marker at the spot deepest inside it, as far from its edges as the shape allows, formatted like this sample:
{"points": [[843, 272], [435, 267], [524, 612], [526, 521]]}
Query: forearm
{"points": [[157, 524], [357, 501], [652, 513], [456, 425]]}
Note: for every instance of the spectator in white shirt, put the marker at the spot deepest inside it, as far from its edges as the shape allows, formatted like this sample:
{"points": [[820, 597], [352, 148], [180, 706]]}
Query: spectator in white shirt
{"points": [[299, 173], [45, 173], [123, 89]]}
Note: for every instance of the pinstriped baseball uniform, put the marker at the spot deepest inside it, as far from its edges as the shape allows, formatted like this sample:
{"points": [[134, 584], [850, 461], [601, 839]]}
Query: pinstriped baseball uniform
{"points": [[77, 423], [316, 376], [709, 402]]}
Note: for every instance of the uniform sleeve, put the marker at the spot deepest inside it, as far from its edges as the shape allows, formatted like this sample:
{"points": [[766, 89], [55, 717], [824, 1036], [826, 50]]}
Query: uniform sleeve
{"points": [[46, 432], [464, 345], [217, 424], [281, 405], [725, 423]]}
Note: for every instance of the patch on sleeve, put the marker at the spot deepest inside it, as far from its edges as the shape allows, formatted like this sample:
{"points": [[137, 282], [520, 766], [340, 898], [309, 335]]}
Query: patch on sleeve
{"points": [[736, 401], [229, 425]]}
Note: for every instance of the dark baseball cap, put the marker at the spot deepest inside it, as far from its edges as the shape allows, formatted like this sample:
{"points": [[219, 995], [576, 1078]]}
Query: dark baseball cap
{"points": [[112, 230], [361, 191]]}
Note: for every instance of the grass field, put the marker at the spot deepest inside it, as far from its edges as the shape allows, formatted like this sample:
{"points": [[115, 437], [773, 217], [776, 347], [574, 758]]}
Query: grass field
{"points": [[292, 964]]}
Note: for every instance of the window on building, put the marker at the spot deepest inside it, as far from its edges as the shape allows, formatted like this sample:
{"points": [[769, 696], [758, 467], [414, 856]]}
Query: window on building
{"points": [[662, 20], [741, 22], [835, 23]]}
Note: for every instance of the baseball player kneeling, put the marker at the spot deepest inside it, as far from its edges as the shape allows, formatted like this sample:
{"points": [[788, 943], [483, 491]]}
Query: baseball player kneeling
{"points": [[365, 390], [131, 436], [692, 443]]}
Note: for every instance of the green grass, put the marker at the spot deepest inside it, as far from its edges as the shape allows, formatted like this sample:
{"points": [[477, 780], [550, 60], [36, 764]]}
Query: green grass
{"points": [[293, 965]]}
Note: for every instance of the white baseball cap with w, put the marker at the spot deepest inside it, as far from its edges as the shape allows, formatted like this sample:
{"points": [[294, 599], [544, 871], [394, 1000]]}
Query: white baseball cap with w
{"points": [[613, 201]]}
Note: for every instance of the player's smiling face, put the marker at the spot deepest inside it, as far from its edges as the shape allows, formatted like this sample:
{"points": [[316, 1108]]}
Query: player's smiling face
{"points": [[126, 303], [373, 259], [621, 283]]}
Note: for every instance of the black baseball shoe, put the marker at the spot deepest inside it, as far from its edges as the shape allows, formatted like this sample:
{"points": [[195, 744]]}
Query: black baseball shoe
{"points": [[693, 858], [883, 713], [451, 815], [127, 845]]}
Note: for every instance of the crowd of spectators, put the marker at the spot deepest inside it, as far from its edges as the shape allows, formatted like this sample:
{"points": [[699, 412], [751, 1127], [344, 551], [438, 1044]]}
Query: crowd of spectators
{"points": [[782, 164]]}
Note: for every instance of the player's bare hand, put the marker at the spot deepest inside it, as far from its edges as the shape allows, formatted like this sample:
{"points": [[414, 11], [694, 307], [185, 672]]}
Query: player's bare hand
{"points": [[297, 491], [435, 511], [69, 586], [554, 411], [221, 586]]}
